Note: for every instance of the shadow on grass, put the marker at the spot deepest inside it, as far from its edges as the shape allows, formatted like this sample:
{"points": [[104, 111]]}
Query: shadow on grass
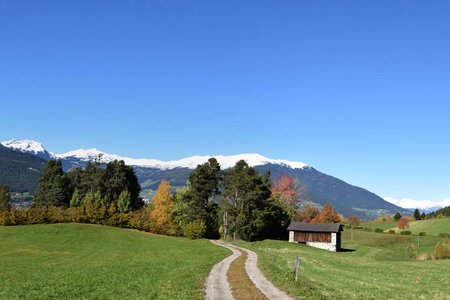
{"points": [[346, 250]]}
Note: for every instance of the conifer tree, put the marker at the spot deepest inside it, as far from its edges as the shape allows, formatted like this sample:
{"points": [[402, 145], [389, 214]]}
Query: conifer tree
{"points": [[76, 199], [124, 201], [53, 189], [5, 198], [416, 214], [162, 209]]}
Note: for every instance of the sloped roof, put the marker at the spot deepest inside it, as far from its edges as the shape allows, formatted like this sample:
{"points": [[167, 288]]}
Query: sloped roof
{"points": [[299, 226]]}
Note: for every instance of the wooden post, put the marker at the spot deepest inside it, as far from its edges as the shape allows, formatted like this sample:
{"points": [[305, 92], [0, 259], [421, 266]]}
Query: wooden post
{"points": [[296, 266]]}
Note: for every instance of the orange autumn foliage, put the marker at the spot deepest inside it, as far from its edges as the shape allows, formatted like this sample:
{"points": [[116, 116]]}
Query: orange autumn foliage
{"points": [[284, 189], [327, 215], [162, 210], [403, 222]]}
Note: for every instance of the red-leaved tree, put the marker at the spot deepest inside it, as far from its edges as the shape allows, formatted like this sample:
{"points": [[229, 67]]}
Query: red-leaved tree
{"points": [[403, 222], [327, 215]]}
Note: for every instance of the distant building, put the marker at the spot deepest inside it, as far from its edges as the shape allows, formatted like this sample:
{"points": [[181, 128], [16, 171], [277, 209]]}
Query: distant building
{"points": [[323, 236]]}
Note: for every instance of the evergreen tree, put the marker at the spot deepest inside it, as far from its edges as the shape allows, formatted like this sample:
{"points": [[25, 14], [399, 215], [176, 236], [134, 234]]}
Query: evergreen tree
{"points": [[416, 214], [119, 177], [5, 198], [203, 186], [397, 217], [76, 199], [53, 189], [124, 201], [245, 202]]}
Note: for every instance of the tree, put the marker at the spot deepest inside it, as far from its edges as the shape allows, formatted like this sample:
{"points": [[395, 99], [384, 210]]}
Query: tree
{"points": [[403, 222], [76, 199], [162, 209], [124, 201], [416, 214], [203, 186], [119, 177], [327, 215], [5, 198], [53, 188], [397, 217], [353, 221], [285, 192], [307, 213], [245, 202]]}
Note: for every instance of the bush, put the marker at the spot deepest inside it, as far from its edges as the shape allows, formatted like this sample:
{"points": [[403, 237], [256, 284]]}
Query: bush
{"points": [[442, 250], [412, 253], [422, 233], [379, 230], [391, 231], [405, 232], [444, 234], [194, 230]]}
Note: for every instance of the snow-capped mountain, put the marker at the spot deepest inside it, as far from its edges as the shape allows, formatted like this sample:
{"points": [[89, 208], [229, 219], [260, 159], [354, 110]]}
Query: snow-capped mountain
{"points": [[422, 205], [252, 159], [28, 146]]}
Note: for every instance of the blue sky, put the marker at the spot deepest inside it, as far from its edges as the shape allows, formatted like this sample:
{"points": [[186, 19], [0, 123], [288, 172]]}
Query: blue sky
{"points": [[358, 89]]}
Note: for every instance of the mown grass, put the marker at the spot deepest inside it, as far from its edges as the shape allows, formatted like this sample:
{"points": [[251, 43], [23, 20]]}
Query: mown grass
{"points": [[76, 261], [381, 225], [378, 268], [431, 227]]}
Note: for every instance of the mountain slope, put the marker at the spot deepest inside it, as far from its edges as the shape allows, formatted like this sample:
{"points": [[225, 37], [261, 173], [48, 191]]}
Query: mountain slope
{"points": [[28, 146], [20, 171], [313, 186]]}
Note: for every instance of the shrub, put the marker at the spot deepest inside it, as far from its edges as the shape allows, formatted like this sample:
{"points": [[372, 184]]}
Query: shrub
{"points": [[379, 230], [194, 230], [391, 231], [422, 233], [357, 227], [442, 250], [412, 253], [405, 232], [444, 234]]}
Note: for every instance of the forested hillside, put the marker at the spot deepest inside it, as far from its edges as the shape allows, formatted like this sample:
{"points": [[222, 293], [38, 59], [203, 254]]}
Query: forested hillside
{"points": [[20, 171]]}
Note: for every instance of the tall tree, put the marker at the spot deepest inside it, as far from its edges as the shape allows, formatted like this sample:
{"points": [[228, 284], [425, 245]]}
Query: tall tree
{"points": [[203, 186], [119, 177], [53, 189], [5, 198], [416, 214], [124, 201], [245, 202], [162, 209], [397, 216]]}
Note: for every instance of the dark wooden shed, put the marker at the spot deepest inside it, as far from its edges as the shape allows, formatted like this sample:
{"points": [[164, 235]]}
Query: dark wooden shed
{"points": [[324, 236]]}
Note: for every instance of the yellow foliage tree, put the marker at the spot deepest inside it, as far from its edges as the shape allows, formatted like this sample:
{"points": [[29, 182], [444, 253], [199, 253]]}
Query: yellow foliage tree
{"points": [[162, 210]]}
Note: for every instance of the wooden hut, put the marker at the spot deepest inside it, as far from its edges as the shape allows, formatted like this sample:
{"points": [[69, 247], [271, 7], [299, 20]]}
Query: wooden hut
{"points": [[324, 236]]}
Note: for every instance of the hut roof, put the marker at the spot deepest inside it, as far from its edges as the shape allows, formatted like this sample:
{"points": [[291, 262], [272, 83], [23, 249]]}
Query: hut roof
{"points": [[299, 226]]}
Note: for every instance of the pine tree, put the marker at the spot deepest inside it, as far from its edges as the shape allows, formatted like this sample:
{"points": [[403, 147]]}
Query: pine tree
{"points": [[245, 202], [162, 209], [124, 201], [416, 214], [76, 199], [5, 198], [203, 186], [53, 189], [397, 217]]}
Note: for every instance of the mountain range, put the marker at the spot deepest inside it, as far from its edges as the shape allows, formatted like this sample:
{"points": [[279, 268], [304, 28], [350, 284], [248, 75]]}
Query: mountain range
{"points": [[314, 187]]}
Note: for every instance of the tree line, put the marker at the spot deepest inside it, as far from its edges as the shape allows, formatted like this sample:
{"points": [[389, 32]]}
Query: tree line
{"points": [[234, 203]]}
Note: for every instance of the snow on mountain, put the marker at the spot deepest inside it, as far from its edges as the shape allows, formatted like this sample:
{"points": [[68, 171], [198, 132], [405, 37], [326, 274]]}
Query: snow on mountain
{"points": [[423, 205], [189, 162], [28, 146]]}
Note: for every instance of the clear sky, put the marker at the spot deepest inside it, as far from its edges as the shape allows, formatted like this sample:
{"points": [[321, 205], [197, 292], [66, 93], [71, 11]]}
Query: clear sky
{"points": [[358, 89]]}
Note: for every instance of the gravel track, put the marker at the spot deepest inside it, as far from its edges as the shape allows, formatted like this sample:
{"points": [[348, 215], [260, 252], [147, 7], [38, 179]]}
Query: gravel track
{"points": [[217, 286]]}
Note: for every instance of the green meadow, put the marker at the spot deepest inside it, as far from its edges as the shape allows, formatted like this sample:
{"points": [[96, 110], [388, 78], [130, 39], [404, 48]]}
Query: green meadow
{"points": [[430, 227], [374, 266], [78, 261]]}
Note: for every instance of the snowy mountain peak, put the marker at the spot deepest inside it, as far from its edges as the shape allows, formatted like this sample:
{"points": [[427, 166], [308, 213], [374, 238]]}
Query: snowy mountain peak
{"points": [[27, 146]]}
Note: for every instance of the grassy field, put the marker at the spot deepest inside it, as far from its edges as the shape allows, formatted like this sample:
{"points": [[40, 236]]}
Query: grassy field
{"points": [[378, 268], [97, 262], [431, 227], [381, 225]]}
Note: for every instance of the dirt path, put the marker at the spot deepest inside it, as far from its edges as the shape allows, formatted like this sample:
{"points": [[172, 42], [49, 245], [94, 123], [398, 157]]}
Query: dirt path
{"points": [[217, 286]]}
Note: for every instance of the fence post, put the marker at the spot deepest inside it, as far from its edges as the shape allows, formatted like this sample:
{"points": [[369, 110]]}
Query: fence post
{"points": [[296, 266]]}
